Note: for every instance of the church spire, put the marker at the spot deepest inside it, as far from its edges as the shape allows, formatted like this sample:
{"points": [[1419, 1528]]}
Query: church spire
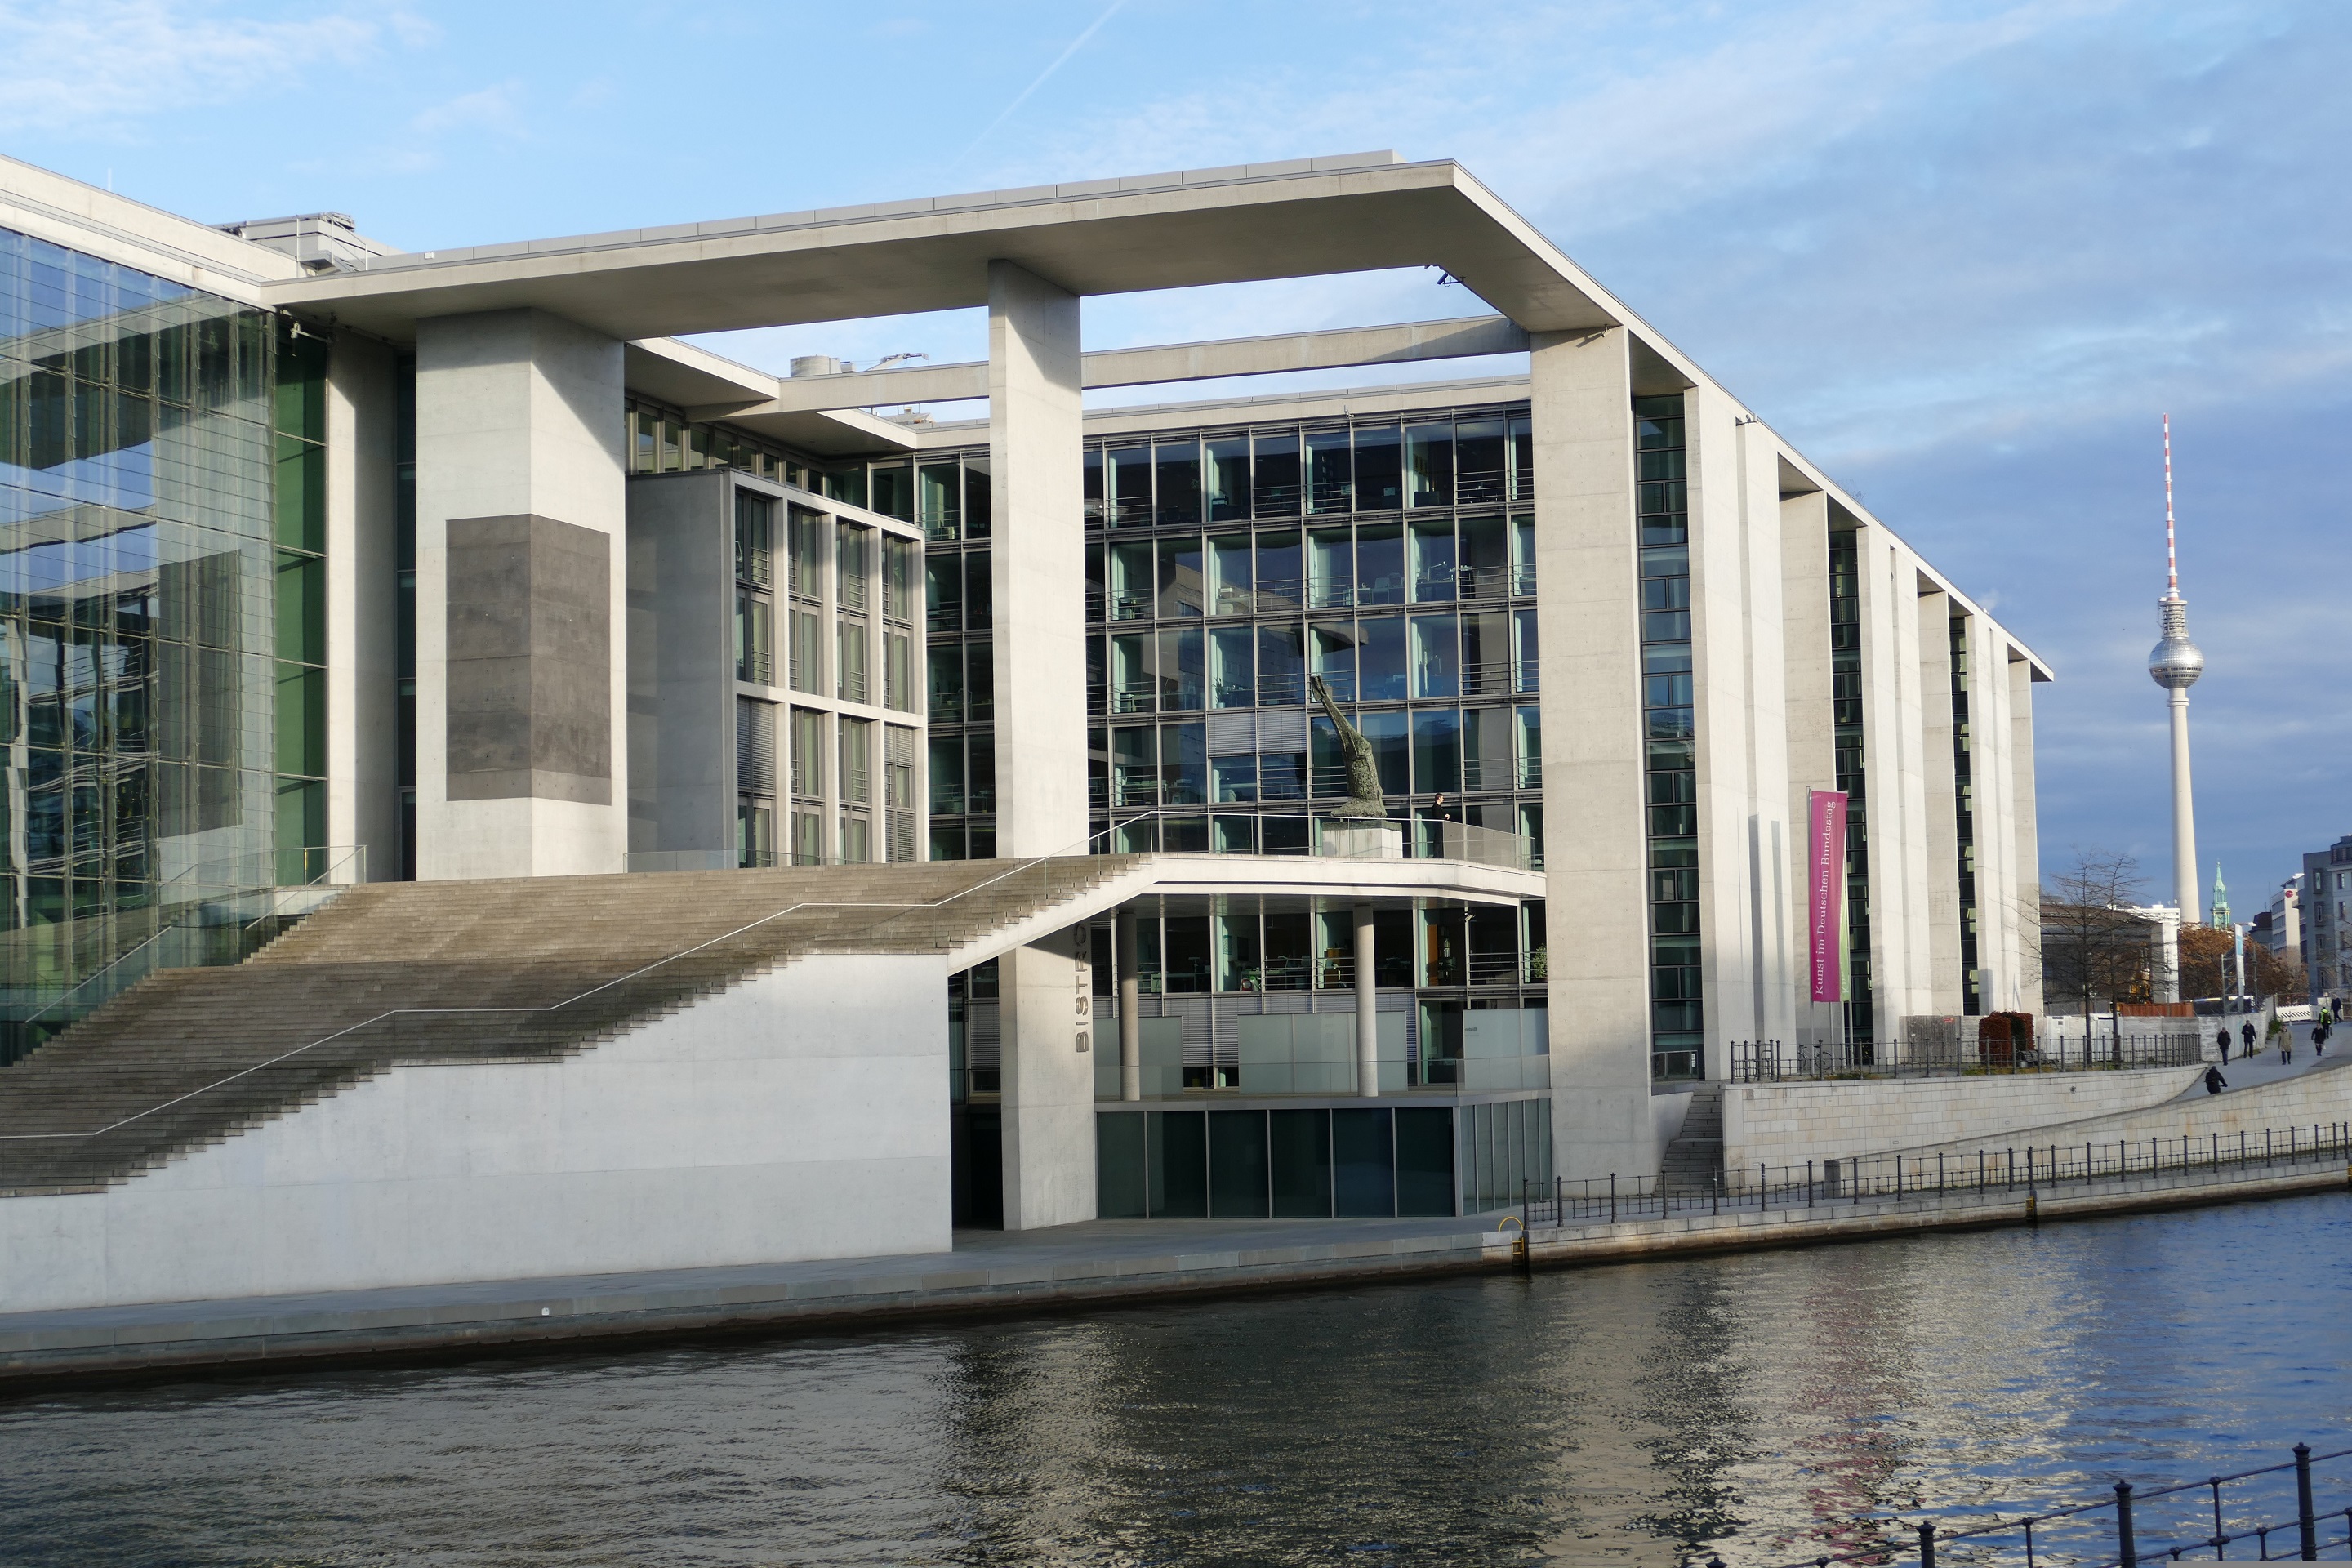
{"points": [[2220, 901]]}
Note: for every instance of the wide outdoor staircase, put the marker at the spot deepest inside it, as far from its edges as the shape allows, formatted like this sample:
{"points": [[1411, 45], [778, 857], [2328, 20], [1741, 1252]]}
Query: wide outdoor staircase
{"points": [[455, 971], [1693, 1163]]}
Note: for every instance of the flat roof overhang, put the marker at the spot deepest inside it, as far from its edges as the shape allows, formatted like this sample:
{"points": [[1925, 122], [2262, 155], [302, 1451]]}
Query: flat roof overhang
{"points": [[1100, 237]]}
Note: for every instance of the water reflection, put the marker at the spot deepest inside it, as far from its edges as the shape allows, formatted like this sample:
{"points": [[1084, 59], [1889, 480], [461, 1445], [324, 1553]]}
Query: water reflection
{"points": [[1753, 1407]]}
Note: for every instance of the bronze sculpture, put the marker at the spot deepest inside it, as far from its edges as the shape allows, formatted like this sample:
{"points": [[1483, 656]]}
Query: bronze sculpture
{"points": [[1363, 775]]}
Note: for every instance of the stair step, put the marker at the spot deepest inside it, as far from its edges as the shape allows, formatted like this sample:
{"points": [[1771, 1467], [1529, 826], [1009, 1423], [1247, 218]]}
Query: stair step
{"points": [[508, 970]]}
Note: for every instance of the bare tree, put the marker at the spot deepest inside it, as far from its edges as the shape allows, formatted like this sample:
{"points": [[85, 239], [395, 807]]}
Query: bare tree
{"points": [[2208, 965], [2093, 946]]}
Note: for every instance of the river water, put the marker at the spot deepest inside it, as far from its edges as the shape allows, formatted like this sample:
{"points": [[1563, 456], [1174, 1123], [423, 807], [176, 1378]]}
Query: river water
{"points": [[1751, 1407]]}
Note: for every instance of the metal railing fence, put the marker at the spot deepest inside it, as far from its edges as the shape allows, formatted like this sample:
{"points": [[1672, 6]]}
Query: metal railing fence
{"points": [[2181, 1521], [2031, 1169], [1781, 1061]]}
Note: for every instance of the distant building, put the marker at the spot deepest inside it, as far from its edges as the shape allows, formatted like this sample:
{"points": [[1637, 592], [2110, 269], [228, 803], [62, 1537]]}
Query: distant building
{"points": [[2164, 951], [2280, 927], [2327, 938]]}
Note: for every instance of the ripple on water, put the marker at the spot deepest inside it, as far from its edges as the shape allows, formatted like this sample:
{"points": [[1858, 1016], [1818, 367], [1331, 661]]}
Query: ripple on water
{"points": [[1757, 1404]]}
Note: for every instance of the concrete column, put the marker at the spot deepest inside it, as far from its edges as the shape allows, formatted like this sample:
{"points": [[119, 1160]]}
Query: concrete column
{"points": [[1037, 569], [1130, 1008], [2028, 833], [1942, 819], [2188, 891], [1368, 1008], [522, 685], [1049, 1086], [1595, 881], [1037, 576], [1891, 748], [1809, 728], [1722, 714], [1773, 857], [362, 683]]}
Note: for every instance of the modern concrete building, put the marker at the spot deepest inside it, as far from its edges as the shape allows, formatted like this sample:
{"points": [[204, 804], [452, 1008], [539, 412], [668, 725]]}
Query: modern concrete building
{"points": [[2327, 930], [328, 564]]}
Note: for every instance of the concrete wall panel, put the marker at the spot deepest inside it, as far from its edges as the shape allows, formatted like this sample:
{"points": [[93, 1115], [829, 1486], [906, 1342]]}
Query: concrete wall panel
{"points": [[1790, 1123], [800, 1115]]}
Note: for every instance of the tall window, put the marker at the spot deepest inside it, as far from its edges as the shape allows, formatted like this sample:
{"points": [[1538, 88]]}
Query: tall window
{"points": [[300, 421], [1677, 1019], [1964, 819], [1846, 710]]}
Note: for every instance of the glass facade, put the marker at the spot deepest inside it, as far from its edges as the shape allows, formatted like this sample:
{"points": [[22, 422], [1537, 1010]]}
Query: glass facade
{"points": [[1677, 1017], [300, 422], [143, 566], [1225, 569], [1845, 718], [1964, 820]]}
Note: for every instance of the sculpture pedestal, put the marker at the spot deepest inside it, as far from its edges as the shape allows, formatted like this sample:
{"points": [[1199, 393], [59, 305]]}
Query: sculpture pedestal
{"points": [[1363, 840]]}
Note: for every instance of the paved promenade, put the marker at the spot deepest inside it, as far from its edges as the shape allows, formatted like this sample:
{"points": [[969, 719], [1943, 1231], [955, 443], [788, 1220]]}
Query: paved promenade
{"points": [[1096, 1264]]}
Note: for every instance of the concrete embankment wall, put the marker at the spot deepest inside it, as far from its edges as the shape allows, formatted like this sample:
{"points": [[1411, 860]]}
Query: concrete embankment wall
{"points": [[1790, 1123], [797, 1116], [2322, 1096], [543, 1315]]}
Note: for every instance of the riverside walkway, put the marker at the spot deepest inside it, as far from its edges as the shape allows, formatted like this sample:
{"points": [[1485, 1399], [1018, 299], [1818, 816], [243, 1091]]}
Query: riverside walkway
{"points": [[1095, 1263]]}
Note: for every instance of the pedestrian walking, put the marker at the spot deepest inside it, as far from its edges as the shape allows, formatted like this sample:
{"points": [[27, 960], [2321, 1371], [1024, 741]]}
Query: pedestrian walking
{"points": [[2214, 1082], [2246, 1033], [2222, 1040]]}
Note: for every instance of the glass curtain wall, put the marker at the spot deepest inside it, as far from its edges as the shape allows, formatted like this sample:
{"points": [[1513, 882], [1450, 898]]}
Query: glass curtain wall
{"points": [[300, 425], [1224, 568], [405, 603], [1845, 679], [1676, 1009], [1964, 819], [139, 589]]}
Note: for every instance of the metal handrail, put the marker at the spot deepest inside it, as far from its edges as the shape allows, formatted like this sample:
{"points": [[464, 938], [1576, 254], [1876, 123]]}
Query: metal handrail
{"points": [[106, 973], [2127, 1499], [1907, 1176], [1082, 846]]}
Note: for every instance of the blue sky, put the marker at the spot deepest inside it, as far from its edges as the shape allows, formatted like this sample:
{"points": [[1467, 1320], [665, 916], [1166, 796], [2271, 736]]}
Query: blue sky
{"points": [[1963, 255]]}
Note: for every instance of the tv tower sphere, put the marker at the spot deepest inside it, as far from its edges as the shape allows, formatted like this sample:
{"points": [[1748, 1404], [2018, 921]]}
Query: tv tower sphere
{"points": [[2175, 663]]}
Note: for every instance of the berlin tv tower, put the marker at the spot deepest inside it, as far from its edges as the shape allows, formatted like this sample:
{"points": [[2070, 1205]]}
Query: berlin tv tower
{"points": [[2175, 664]]}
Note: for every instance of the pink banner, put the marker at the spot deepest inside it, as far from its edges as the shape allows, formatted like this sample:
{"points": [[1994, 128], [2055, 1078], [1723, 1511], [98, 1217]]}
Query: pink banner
{"points": [[1826, 807]]}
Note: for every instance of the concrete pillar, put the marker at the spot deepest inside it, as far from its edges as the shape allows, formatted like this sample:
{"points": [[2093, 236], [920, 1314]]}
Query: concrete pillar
{"points": [[1130, 1008], [521, 688], [1049, 1084], [1892, 744], [1737, 636], [1037, 575], [1037, 568], [1942, 819], [1595, 881], [2028, 832], [363, 651], [1809, 729], [1368, 1008]]}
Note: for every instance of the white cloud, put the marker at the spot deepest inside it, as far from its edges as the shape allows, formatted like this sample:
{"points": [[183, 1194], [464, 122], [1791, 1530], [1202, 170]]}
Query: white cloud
{"points": [[494, 109], [104, 65]]}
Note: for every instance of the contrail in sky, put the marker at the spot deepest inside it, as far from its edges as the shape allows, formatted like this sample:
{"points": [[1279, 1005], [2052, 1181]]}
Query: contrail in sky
{"points": [[1059, 62]]}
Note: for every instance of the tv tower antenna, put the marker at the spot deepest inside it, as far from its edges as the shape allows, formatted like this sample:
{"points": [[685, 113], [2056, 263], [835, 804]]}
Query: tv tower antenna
{"points": [[2175, 664]]}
